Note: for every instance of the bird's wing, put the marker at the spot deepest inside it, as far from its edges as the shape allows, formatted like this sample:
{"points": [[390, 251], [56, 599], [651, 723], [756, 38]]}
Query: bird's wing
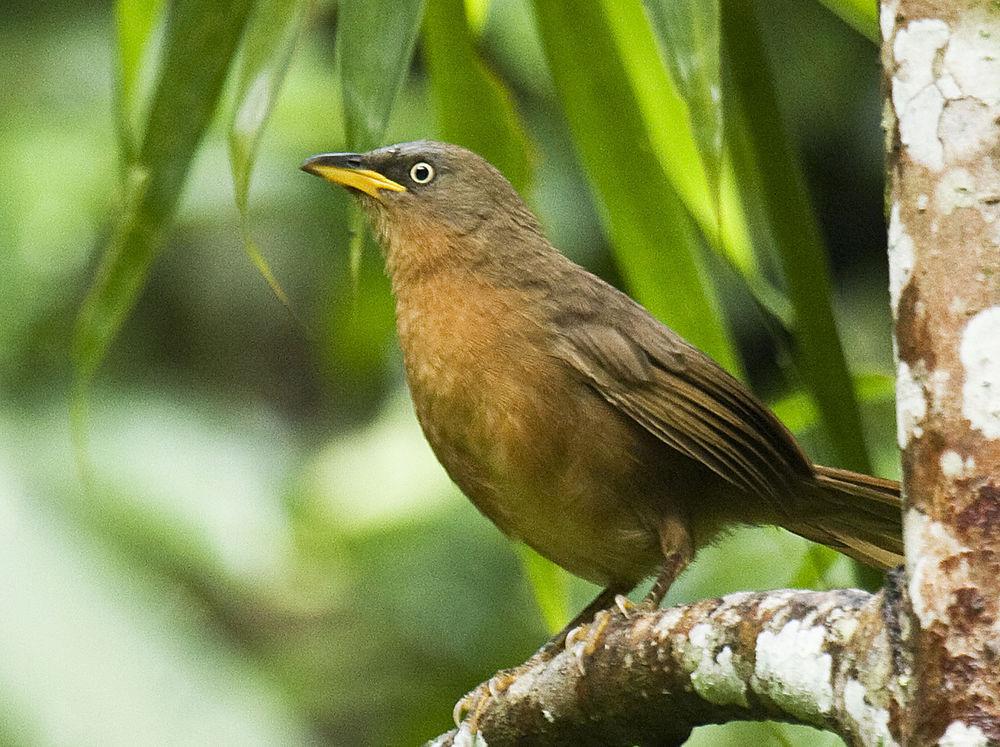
{"points": [[686, 400]]}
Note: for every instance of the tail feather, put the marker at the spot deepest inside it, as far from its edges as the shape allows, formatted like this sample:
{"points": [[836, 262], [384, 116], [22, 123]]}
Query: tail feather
{"points": [[858, 515]]}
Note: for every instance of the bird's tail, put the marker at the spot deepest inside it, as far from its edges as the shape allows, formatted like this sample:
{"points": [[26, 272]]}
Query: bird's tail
{"points": [[858, 515]]}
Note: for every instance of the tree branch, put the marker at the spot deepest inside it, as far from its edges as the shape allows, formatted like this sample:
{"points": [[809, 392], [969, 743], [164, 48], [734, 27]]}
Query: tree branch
{"points": [[819, 658]]}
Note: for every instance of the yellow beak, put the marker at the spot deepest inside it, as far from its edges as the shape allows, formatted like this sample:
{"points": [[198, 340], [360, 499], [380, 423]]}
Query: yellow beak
{"points": [[345, 169]]}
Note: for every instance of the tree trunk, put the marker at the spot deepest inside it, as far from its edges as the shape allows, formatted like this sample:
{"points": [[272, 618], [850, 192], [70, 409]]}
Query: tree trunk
{"points": [[942, 69]]}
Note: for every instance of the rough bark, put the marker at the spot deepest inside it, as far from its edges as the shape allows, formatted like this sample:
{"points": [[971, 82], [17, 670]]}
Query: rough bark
{"points": [[942, 68], [819, 658]]}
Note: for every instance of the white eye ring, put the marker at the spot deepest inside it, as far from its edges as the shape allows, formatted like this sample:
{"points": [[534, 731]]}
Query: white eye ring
{"points": [[422, 172]]}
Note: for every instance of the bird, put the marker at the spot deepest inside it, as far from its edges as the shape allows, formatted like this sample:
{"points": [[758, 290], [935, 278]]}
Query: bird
{"points": [[569, 415]]}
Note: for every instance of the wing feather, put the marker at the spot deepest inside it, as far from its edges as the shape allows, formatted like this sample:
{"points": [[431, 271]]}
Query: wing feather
{"points": [[687, 401]]}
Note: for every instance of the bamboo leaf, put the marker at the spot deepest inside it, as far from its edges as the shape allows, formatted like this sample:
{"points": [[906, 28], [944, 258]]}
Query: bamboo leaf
{"points": [[374, 44], [375, 41], [135, 21], [550, 585], [201, 39], [684, 114], [860, 15], [689, 32], [267, 51], [474, 109], [652, 235], [798, 410], [819, 355]]}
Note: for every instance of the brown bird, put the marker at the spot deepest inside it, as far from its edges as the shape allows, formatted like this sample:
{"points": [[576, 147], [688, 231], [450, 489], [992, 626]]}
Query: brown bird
{"points": [[577, 422]]}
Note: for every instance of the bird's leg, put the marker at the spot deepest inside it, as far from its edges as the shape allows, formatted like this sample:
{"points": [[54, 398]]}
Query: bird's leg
{"points": [[671, 569], [474, 701], [675, 541]]}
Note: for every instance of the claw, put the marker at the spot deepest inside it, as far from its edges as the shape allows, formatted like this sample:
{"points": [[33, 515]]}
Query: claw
{"points": [[499, 683], [474, 702], [580, 658], [572, 635], [583, 641], [461, 708], [601, 620], [624, 605]]}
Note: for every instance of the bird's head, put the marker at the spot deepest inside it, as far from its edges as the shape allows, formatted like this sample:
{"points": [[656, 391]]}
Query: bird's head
{"points": [[429, 200]]}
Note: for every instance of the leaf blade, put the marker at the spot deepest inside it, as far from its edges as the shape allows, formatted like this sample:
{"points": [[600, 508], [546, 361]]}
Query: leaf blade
{"points": [[801, 252], [370, 80], [462, 83], [374, 44], [860, 15], [267, 52], [689, 30], [201, 40], [135, 21], [647, 223]]}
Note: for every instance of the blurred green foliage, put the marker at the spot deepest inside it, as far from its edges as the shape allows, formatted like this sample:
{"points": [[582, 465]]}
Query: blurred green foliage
{"points": [[267, 551]]}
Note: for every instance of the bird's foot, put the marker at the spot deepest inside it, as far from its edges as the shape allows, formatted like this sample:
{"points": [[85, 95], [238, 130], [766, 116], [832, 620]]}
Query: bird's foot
{"points": [[585, 639], [474, 703]]}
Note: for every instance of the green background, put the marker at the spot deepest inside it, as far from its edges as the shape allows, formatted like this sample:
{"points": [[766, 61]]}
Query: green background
{"points": [[250, 542]]}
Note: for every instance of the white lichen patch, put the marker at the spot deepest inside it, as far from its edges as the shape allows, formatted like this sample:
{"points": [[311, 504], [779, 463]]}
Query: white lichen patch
{"points": [[901, 257], [669, 619], [956, 189], [732, 611], [713, 675], [870, 722], [967, 126], [954, 467], [911, 406], [794, 672], [773, 601], [917, 101], [958, 734], [937, 386], [946, 89], [980, 355], [843, 626], [887, 18], [928, 544], [466, 737], [525, 682], [972, 58]]}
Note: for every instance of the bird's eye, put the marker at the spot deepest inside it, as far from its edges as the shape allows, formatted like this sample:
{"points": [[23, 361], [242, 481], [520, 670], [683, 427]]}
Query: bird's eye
{"points": [[422, 172]]}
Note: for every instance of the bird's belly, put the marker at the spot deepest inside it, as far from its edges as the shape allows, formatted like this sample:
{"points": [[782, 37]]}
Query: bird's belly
{"points": [[562, 482], [536, 450]]}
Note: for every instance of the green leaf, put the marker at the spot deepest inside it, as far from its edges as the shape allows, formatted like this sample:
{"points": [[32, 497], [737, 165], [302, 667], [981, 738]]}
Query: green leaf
{"points": [[798, 410], [600, 83], [550, 585], [267, 50], [201, 39], [134, 24], [474, 109], [860, 15], [670, 133], [770, 160], [684, 115], [375, 41], [689, 31]]}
